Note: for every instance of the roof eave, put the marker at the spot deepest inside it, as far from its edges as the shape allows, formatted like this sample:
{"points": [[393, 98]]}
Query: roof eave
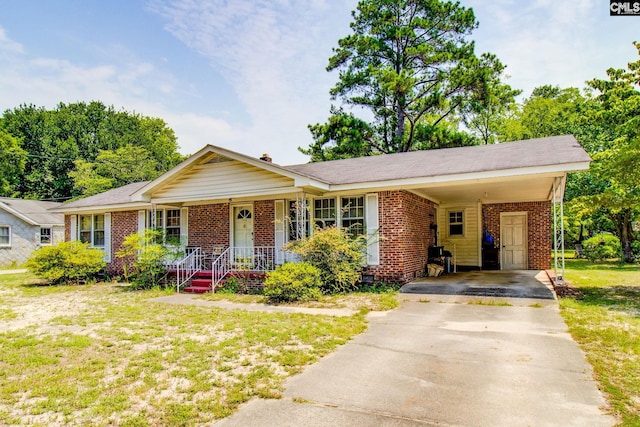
{"points": [[559, 169]]}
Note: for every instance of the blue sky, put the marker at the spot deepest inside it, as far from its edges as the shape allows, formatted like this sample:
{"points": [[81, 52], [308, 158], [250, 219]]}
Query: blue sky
{"points": [[249, 75]]}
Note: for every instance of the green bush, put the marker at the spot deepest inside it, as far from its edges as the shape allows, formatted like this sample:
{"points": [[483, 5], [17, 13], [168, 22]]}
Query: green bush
{"points": [[601, 247], [148, 266], [293, 282], [66, 262], [338, 255]]}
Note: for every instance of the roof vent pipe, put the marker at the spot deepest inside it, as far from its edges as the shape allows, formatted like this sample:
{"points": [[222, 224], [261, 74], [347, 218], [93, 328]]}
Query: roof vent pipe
{"points": [[265, 158]]}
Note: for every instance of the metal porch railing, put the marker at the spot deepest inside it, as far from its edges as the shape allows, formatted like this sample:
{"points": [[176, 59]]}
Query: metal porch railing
{"points": [[188, 266], [248, 259]]}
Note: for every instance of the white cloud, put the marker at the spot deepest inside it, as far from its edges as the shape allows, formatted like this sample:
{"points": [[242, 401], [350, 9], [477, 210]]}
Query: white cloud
{"points": [[8, 45], [273, 53]]}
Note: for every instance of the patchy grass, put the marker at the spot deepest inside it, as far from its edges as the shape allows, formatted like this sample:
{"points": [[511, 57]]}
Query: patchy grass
{"points": [[102, 355], [357, 301], [605, 320], [490, 303]]}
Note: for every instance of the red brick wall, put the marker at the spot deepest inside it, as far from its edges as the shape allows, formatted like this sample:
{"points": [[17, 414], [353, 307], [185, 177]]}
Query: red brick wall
{"points": [[209, 226], [404, 235], [539, 228], [263, 225], [122, 225]]}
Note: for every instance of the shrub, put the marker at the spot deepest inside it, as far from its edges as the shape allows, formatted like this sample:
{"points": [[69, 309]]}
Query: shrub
{"points": [[150, 256], [601, 247], [338, 255], [66, 262], [293, 282]]}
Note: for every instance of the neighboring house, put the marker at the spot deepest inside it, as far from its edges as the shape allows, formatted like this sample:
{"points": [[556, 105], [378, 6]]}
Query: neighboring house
{"points": [[26, 225], [405, 203]]}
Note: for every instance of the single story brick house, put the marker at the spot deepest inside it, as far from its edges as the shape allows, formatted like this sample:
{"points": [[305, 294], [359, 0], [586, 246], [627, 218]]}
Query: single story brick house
{"points": [[489, 206], [26, 225]]}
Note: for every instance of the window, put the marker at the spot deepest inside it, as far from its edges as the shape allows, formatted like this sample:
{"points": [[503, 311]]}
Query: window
{"points": [[456, 223], [172, 228], [91, 230], [352, 209], [5, 235], [45, 236], [298, 220], [324, 212], [167, 221]]}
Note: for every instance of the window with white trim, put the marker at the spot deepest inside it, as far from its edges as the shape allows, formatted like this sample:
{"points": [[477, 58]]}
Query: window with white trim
{"points": [[5, 235], [299, 225], [167, 221], [456, 223], [91, 230], [352, 214], [324, 212], [46, 238]]}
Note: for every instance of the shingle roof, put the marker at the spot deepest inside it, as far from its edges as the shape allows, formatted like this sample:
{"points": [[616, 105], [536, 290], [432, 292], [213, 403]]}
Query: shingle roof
{"points": [[449, 161], [111, 197], [34, 210]]}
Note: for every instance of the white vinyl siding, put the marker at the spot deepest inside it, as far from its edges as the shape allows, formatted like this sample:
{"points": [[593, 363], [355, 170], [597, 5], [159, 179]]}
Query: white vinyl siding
{"points": [[221, 180], [464, 247]]}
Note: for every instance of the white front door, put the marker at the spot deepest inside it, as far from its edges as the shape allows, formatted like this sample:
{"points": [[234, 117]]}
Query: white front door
{"points": [[513, 240], [243, 226]]}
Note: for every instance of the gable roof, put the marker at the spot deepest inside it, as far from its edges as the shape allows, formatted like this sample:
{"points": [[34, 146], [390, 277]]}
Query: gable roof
{"points": [[34, 212], [533, 153], [553, 155]]}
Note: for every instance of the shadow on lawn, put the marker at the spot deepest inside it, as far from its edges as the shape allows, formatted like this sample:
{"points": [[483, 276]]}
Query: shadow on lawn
{"points": [[618, 298]]}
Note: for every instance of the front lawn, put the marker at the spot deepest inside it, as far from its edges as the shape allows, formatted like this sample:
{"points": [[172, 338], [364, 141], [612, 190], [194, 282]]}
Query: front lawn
{"points": [[102, 355], [605, 320]]}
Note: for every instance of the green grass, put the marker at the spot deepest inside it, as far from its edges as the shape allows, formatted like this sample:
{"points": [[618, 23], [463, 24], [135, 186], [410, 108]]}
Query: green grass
{"points": [[605, 320], [103, 355]]}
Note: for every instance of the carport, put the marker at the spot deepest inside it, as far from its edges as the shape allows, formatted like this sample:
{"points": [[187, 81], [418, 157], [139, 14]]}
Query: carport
{"points": [[508, 284]]}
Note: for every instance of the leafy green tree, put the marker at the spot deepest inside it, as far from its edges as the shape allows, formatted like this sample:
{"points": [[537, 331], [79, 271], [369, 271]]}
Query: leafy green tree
{"points": [[617, 112], [13, 159], [55, 139], [114, 169], [407, 64]]}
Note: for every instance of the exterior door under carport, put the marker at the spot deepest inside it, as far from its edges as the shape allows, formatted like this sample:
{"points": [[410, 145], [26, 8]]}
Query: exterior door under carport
{"points": [[513, 240]]}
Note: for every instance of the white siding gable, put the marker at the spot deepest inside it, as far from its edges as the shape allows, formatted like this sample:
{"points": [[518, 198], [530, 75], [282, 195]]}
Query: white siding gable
{"points": [[222, 179]]}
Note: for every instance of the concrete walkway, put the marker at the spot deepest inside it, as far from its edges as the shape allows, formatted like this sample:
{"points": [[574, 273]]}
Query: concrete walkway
{"points": [[438, 360]]}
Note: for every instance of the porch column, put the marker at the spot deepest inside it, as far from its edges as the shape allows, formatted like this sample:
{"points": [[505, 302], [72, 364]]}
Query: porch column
{"points": [[558, 230]]}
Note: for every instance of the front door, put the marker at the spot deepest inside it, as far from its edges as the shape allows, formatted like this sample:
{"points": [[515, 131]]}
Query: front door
{"points": [[513, 240], [243, 226]]}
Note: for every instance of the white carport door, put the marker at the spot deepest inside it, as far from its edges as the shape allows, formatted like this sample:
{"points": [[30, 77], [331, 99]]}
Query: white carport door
{"points": [[513, 236]]}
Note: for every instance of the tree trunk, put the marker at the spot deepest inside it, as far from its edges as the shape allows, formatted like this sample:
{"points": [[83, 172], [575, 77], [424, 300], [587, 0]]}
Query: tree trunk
{"points": [[622, 222]]}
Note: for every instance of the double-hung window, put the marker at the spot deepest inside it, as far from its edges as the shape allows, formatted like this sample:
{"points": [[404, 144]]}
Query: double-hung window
{"points": [[324, 212], [352, 213], [298, 220], [168, 222], [456, 223], [45, 236], [5, 235], [91, 230]]}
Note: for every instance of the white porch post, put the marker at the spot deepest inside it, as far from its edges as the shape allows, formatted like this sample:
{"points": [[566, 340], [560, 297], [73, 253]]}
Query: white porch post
{"points": [[558, 230]]}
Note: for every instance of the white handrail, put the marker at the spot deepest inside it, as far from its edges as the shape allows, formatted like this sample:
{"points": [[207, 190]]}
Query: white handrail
{"points": [[188, 266], [251, 258]]}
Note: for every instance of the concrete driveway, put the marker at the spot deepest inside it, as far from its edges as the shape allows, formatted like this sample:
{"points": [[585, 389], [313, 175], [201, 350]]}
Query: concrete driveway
{"points": [[446, 360], [506, 284]]}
